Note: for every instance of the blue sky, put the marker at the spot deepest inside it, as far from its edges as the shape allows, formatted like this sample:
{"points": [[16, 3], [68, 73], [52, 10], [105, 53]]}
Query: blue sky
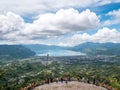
{"points": [[56, 22]]}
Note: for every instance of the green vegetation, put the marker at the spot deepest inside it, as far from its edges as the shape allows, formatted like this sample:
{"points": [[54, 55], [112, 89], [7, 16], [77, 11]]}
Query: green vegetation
{"points": [[14, 52], [16, 74], [98, 48]]}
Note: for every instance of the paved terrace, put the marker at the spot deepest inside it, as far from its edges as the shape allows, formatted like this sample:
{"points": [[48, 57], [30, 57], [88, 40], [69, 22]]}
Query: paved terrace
{"points": [[73, 85]]}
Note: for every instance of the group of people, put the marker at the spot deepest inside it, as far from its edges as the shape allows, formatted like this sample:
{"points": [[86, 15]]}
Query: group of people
{"points": [[62, 79], [96, 82], [102, 84], [31, 86]]}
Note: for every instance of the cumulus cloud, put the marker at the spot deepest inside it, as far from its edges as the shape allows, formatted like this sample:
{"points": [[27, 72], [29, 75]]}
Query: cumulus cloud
{"points": [[49, 25], [102, 36], [62, 22], [115, 17], [10, 26], [10, 22]]}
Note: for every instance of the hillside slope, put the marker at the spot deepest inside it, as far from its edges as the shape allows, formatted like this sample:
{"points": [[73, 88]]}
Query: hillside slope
{"points": [[15, 51], [98, 48]]}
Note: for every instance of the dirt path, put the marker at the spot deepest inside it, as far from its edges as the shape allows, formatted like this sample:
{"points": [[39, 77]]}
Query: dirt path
{"points": [[70, 86]]}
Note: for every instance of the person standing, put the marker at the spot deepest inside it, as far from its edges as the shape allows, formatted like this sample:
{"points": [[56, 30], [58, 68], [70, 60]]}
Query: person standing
{"points": [[88, 80], [62, 80], [66, 81], [57, 80], [94, 81]]}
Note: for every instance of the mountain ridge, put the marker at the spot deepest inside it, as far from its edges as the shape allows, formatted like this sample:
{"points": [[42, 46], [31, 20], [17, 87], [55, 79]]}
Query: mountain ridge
{"points": [[15, 51], [89, 48], [98, 48]]}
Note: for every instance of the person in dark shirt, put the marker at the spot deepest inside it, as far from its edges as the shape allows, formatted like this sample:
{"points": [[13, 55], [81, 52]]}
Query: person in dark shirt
{"points": [[94, 81], [62, 80]]}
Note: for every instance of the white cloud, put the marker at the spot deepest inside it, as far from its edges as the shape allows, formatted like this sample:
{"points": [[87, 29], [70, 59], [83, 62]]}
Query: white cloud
{"points": [[49, 25], [62, 22], [102, 36], [10, 22], [115, 17], [10, 26], [39, 6]]}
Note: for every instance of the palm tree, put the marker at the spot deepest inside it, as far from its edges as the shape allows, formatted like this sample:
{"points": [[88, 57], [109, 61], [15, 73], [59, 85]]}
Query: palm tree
{"points": [[3, 73]]}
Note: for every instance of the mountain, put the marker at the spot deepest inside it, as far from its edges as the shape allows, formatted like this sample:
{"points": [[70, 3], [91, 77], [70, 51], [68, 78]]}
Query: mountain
{"points": [[24, 51], [98, 48], [15, 51], [88, 48]]}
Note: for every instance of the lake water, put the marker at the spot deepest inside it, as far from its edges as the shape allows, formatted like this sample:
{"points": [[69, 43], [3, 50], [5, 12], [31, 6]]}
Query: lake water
{"points": [[61, 53]]}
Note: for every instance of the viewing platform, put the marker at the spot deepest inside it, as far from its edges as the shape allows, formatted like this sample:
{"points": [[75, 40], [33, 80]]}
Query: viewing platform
{"points": [[73, 85]]}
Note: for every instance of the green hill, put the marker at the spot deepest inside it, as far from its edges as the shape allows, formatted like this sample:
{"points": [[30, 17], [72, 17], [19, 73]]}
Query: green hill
{"points": [[15, 51], [98, 48]]}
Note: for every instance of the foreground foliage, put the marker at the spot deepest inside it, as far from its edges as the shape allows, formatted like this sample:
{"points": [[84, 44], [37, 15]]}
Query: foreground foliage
{"points": [[19, 73]]}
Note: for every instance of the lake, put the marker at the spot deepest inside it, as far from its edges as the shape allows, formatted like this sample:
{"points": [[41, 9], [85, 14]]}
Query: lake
{"points": [[60, 53]]}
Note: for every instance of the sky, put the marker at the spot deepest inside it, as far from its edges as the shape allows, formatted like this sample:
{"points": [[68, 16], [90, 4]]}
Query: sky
{"points": [[59, 22]]}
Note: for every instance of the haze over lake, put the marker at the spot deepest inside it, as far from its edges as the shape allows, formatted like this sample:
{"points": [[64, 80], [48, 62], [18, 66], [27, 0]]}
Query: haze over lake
{"points": [[60, 53]]}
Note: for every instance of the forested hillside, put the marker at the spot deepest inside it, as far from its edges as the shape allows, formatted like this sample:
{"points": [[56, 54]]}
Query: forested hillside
{"points": [[15, 51], [98, 48]]}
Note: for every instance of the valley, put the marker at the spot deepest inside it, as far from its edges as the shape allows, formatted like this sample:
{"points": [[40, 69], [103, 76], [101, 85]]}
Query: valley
{"points": [[19, 73]]}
